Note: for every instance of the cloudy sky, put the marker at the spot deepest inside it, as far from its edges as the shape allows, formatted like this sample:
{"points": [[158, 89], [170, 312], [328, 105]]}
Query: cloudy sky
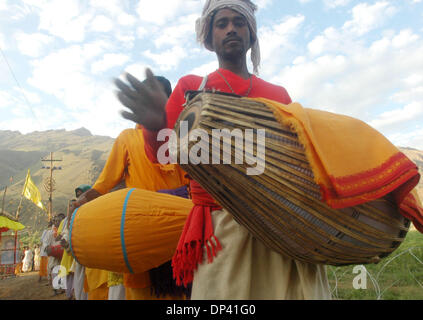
{"points": [[359, 58]]}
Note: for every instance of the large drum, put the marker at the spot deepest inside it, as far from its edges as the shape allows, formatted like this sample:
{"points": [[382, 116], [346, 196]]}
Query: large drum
{"points": [[128, 231], [282, 207]]}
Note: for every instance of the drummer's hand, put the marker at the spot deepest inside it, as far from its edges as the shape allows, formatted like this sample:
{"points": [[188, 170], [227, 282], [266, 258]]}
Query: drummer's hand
{"points": [[72, 208], [146, 100], [64, 243]]}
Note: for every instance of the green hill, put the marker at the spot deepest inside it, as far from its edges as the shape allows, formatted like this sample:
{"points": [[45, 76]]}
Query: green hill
{"points": [[83, 156]]}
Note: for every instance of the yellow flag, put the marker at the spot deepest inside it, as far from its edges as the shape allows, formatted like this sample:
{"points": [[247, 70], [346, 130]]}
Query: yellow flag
{"points": [[31, 192]]}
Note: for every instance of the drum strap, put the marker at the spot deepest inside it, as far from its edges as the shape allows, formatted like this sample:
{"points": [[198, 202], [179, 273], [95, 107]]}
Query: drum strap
{"points": [[203, 83]]}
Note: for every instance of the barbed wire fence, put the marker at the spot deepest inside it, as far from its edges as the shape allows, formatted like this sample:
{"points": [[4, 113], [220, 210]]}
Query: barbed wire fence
{"points": [[339, 273]]}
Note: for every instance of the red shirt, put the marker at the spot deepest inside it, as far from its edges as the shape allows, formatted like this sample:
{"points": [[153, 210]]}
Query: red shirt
{"points": [[240, 86]]}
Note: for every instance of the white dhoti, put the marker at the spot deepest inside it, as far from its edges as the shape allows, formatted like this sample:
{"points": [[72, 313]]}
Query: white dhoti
{"points": [[78, 281], [117, 292], [245, 269]]}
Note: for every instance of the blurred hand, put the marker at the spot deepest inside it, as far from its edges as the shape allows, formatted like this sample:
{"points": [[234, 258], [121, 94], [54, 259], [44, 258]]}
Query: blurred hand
{"points": [[64, 243], [146, 100]]}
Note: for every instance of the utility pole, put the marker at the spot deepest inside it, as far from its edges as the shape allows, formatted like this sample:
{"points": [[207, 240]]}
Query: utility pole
{"points": [[4, 195], [49, 182]]}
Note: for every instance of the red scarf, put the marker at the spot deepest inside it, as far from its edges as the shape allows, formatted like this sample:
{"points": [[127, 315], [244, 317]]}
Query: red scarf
{"points": [[198, 231]]}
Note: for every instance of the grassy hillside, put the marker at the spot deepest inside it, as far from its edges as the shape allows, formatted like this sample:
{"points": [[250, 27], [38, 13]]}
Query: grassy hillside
{"points": [[83, 156]]}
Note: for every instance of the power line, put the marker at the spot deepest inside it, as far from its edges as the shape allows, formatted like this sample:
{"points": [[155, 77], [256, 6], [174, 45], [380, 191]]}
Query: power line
{"points": [[19, 85]]}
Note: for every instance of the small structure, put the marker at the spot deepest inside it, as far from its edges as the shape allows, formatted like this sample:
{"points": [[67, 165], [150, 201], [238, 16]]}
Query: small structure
{"points": [[9, 244]]}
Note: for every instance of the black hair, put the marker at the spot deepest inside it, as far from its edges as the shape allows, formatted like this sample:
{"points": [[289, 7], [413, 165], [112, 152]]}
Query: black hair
{"points": [[165, 83]]}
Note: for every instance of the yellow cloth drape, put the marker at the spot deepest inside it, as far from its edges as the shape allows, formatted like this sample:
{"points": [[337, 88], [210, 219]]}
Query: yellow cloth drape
{"points": [[115, 279], [12, 225], [127, 160], [67, 258], [95, 278], [351, 162], [100, 293]]}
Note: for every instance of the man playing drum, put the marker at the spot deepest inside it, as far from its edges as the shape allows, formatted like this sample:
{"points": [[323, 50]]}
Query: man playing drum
{"points": [[239, 266]]}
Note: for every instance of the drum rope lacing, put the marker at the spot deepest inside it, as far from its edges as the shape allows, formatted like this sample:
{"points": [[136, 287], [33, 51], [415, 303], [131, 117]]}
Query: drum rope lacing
{"points": [[224, 79]]}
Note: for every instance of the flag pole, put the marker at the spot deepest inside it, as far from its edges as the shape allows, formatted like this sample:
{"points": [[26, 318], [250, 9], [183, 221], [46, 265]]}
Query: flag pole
{"points": [[17, 214], [4, 197], [22, 195]]}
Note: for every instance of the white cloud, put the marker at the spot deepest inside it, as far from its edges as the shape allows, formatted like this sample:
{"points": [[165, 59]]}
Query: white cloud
{"points": [[125, 19], [114, 9], [205, 69], [83, 97], [5, 99], [413, 138], [336, 3], [404, 38], [160, 12], [411, 92], [23, 124], [64, 19], [275, 40], [91, 50], [357, 82], [126, 40], [166, 60], [101, 24], [141, 32], [63, 75], [328, 41], [398, 116], [137, 70], [262, 4], [2, 42], [182, 31], [368, 17], [31, 97], [32, 44], [108, 61]]}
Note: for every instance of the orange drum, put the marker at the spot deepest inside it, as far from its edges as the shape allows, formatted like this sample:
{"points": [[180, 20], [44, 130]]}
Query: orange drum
{"points": [[128, 231]]}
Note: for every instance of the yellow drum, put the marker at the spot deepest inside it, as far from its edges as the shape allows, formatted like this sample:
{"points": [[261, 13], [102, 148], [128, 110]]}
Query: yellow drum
{"points": [[128, 231]]}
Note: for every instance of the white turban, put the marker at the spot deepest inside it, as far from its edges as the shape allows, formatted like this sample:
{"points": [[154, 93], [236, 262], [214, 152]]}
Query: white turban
{"points": [[244, 7]]}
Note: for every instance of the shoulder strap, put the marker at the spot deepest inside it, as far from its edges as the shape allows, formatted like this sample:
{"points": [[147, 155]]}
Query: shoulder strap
{"points": [[203, 83]]}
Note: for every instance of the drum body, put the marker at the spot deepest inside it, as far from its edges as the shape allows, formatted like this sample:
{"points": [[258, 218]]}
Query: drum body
{"points": [[128, 231], [282, 207], [56, 251]]}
